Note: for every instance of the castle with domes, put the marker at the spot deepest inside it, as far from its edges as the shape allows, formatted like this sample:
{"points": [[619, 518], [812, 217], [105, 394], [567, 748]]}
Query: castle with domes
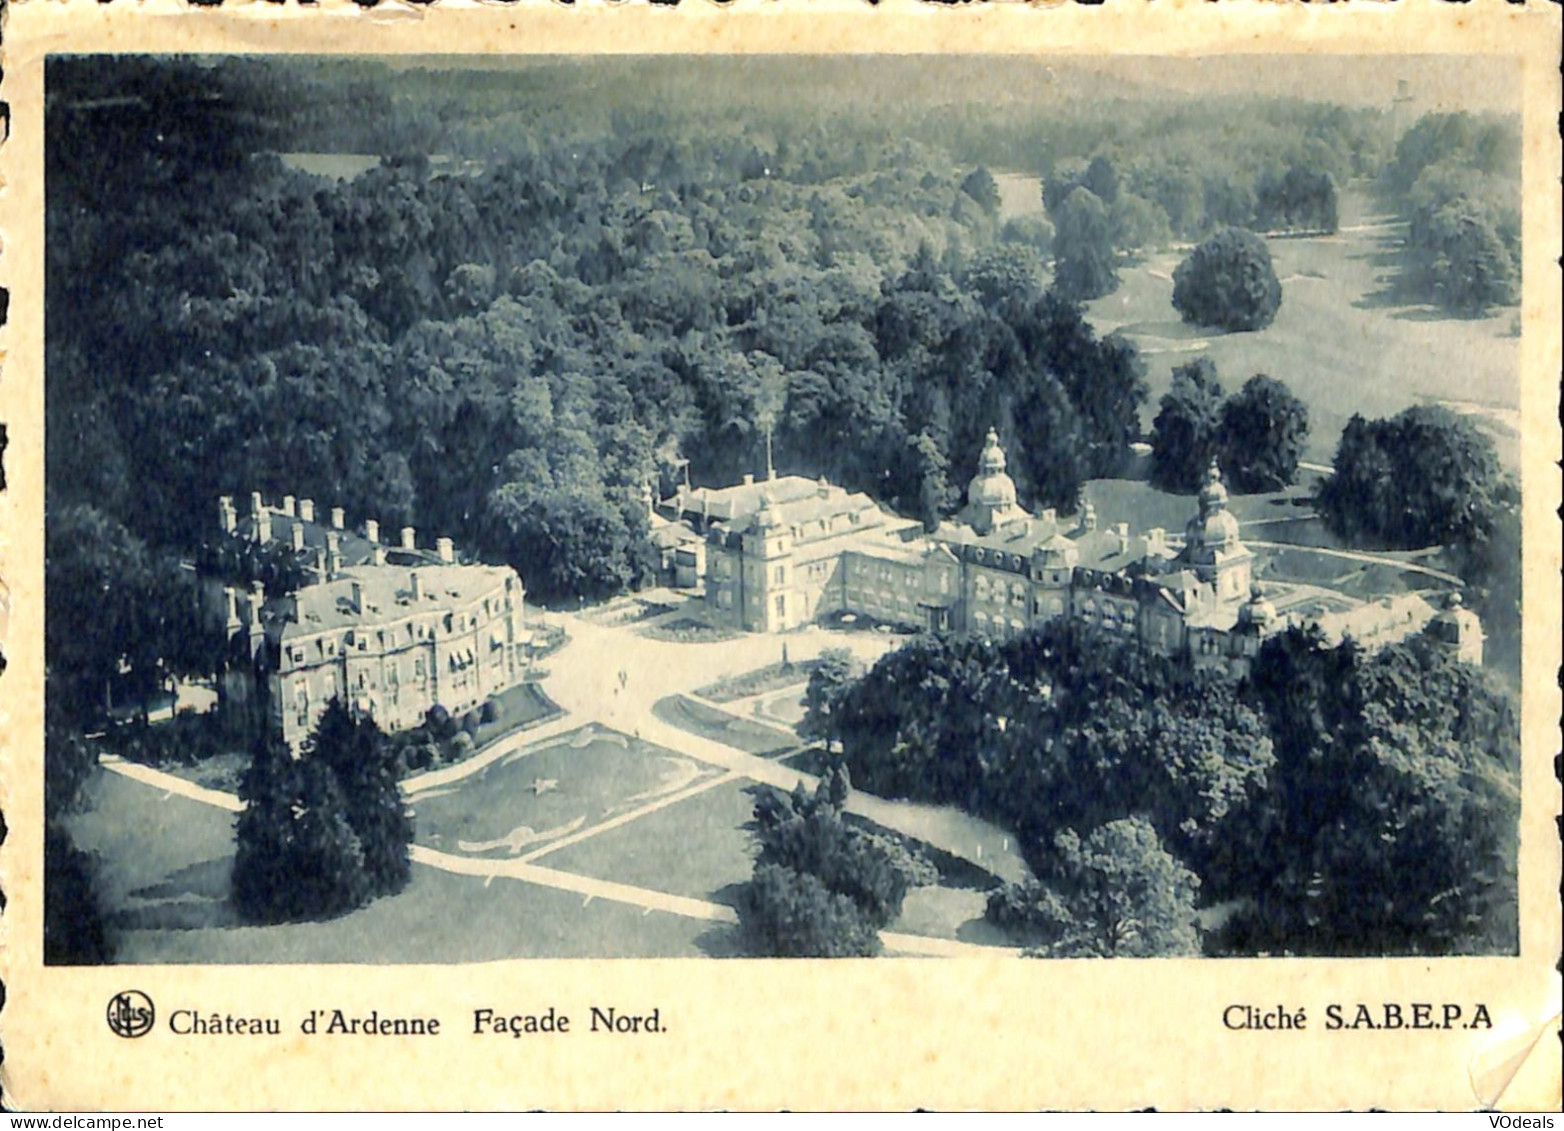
{"points": [[784, 552]]}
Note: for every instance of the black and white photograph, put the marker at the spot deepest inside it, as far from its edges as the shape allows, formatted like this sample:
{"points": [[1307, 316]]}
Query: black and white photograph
{"points": [[776, 506]]}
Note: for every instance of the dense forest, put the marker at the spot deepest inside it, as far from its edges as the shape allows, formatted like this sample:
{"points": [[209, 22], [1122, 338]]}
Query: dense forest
{"points": [[1334, 801], [552, 286], [503, 334], [546, 287]]}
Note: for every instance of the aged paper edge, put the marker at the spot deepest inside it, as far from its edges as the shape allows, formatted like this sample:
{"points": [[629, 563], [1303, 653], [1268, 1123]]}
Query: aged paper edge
{"points": [[978, 1033]]}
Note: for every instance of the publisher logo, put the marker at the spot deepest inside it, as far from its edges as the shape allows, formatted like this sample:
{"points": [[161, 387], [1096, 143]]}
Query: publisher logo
{"points": [[131, 1014]]}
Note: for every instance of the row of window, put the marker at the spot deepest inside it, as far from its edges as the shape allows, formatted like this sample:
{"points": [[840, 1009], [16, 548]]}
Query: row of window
{"points": [[358, 639], [463, 675]]}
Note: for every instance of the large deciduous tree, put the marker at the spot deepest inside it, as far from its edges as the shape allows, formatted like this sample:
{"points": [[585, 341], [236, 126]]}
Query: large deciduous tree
{"points": [[1083, 247], [1117, 893], [822, 887], [1263, 433], [1228, 282], [1423, 477], [1187, 432]]}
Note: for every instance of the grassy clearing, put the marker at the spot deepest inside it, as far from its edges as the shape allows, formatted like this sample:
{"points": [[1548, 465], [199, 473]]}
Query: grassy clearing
{"points": [[720, 726], [698, 847], [534, 796], [164, 864], [1341, 341]]}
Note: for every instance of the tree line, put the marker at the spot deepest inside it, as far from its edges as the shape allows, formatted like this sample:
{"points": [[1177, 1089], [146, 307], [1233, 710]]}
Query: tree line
{"points": [[1336, 801], [1456, 178]]}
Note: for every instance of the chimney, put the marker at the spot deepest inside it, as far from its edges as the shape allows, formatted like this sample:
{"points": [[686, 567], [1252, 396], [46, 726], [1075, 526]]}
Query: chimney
{"points": [[226, 517], [307, 510], [263, 526], [1122, 530], [333, 553], [287, 505], [1049, 516], [749, 480], [446, 549], [232, 623], [358, 596], [257, 599], [1088, 517], [256, 504], [1156, 540], [823, 487], [372, 529], [379, 555], [337, 518], [418, 586], [409, 538], [297, 534]]}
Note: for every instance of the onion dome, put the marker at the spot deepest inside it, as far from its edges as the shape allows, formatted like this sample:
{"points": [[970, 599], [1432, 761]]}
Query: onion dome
{"points": [[991, 487], [1258, 612], [1215, 525], [1213, 493]]}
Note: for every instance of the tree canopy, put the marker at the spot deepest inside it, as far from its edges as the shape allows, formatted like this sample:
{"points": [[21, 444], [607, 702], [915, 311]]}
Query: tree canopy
{"points": [[1424, 477], [323, 833], [1187, 433], [1345, 802], [1228, 282], [1263, 432]]}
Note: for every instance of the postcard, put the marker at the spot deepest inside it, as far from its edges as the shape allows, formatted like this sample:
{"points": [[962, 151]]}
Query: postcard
{"points": [[756, 557]]}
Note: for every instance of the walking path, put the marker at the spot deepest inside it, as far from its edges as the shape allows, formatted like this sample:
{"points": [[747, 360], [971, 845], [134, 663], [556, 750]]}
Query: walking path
{"points": [[525, 871], [585, 683], [655, 669]]}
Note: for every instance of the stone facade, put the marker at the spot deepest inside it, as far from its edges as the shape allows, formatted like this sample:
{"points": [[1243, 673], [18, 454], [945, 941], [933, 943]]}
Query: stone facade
{"points": [[392, 631], [782, 553]]}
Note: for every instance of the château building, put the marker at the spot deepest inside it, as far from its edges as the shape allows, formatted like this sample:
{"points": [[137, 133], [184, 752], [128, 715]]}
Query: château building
{"points": [[391, 631], [784, 552]]}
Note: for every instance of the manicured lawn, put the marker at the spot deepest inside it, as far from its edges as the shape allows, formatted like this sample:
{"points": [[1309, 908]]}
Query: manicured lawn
{"points": [[689, 630], [541, 793], [164, 865], [785, 707], [946, 913], [163, 861], [721, 726], [1143, 506], [443, 918], [696, 847], [1339, 341]]}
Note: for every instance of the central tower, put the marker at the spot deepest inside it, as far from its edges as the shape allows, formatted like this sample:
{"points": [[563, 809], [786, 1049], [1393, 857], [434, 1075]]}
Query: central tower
{"points": [[1212, 549], [991, 496]]}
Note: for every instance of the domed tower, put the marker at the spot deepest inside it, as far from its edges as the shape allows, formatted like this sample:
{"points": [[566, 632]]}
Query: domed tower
{"points": [[1212, 548], [1459, 630], [991, 496], [1258, 615], [768, 554]]}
